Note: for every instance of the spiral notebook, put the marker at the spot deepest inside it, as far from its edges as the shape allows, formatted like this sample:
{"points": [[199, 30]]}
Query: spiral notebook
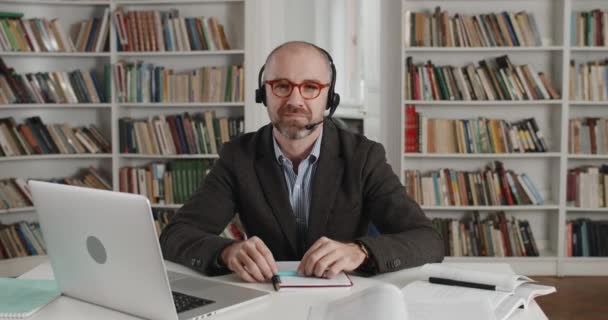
{"points": [[20, 298]]}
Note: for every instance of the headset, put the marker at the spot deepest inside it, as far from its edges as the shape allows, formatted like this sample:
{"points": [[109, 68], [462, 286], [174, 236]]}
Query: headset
{"points": [[333, 99]]}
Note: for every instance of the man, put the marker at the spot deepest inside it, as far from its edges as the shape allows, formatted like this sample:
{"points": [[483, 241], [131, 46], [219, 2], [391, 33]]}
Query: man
{"points": [[304, 190]]}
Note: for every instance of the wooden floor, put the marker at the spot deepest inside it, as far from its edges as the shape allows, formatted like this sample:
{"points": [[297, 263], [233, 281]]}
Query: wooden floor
{"points": [[576, 298]]}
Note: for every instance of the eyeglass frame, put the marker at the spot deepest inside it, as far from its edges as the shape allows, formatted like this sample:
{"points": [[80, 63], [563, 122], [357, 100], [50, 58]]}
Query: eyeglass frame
{"points": [[298, 85]]}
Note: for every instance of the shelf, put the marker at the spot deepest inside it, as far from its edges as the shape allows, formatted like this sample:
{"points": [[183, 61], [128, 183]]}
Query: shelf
{"points": [[589, 49], [482, 49], [166, 206], [131, 2], [575, 209], [482, 103], [182, 105], [55, 54], [491, 208], [55, 106], [60, 2], [544, 256], [586, 259], [176, 156], [588, 156], [58, 157], [17, 266], [180, 53], [580, 103], [529, 155], [17, 210]]}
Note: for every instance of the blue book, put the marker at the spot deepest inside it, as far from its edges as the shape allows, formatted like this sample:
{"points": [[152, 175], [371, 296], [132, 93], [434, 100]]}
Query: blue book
{"points": [[20, 298], [436, 187]]}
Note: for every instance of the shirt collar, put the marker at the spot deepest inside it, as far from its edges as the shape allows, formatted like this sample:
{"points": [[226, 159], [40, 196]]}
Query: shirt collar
{"points": [[314, 153]]}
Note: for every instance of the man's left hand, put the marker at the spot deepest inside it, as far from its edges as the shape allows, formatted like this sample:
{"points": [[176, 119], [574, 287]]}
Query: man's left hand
{"points": [[327, 258]]}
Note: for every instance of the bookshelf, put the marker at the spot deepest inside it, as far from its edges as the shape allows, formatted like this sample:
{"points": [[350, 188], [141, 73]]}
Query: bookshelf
{"points": [[230, 13], [548, 170]]}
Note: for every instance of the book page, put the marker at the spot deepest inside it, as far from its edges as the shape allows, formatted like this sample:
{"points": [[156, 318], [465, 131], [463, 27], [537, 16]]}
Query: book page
{"points": [[507, 307], [426, 291], [529, 291], [453, 310], [502, 281]]}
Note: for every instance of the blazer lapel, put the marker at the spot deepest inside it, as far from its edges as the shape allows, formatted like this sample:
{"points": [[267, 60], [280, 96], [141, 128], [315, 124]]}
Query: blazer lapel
{"points": [[274, 186], [326, 183]]}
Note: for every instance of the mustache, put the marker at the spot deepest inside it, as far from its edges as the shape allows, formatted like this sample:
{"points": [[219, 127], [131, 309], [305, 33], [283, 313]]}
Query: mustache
{"points": [[294, 110]]}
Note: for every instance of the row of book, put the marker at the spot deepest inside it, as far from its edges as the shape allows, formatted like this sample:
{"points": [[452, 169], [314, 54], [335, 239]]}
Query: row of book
{"points": [[76, 86], [586, 238], [589, 28], [145, 82], [439, 29], [588, 136], [44, 35], [589, 81], [156, 30], [199, 133], [15, 193], [21, 239], [494, 236], [491, 186], [480, 135], [500, 80], [165, 183], [35, 137], [234, 230], [587, 187]]}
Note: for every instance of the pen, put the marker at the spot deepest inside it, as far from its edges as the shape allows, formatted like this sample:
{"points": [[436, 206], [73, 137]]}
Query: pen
{"points": [[276, 282], [450, 282], [276, 279]]}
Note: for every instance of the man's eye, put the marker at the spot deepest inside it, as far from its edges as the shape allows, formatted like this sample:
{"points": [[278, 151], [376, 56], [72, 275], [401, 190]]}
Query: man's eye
{"points": [[310, 87]]}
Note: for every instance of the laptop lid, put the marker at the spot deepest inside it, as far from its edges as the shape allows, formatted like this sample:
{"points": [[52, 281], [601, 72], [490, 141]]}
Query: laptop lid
{"points": [[99, 244]]}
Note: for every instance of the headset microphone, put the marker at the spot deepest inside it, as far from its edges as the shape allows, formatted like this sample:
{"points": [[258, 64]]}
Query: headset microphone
{"points": [[312, 125]]}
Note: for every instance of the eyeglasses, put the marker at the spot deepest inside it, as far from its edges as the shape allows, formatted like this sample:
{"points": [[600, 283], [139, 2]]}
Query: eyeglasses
{"points": [[283, 88]]}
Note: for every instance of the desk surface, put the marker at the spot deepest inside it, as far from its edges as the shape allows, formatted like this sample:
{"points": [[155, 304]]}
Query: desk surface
{"points": [[292, 305]]}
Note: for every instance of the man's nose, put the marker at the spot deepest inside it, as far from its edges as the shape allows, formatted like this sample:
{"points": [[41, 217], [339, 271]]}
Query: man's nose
{"points": [[296, 98]]}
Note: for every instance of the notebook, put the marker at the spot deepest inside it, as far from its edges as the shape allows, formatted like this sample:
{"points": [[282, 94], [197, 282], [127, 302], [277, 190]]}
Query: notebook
{"points": [[291, 281], [20, 298]]}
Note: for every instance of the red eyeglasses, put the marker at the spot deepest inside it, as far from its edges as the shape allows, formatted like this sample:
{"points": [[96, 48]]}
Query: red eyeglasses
{"points": [[283, 88]]}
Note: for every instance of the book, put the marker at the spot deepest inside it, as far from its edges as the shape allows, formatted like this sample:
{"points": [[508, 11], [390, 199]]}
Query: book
{"points": [[289, 280], [20, 298], [509, 291]]}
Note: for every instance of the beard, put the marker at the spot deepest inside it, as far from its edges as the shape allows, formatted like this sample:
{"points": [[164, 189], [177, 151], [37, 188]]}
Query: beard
{"points": [[293, 128]]}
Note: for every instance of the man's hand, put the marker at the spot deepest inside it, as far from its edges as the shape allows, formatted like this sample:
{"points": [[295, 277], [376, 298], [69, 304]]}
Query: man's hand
{"points": [[250, 259], [327, 258]]}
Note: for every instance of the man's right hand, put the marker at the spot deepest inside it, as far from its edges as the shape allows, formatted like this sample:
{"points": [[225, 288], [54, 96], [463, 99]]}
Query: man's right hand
{"points": [[250, 259]]}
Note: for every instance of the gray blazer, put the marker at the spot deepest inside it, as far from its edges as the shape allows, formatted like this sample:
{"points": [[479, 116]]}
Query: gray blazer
{"points": [[353, 186]]}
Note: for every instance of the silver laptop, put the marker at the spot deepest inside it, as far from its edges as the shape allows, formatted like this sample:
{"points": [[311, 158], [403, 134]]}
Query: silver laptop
{"points": [[104, 249]]}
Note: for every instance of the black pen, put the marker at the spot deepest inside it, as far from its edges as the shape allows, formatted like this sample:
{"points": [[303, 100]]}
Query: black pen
{"points": [[276, 278], [276, 282], [450, 282]]}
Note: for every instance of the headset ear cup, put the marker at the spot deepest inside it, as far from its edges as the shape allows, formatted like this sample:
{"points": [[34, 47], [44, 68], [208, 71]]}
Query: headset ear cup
{"points": [[260, 95]]}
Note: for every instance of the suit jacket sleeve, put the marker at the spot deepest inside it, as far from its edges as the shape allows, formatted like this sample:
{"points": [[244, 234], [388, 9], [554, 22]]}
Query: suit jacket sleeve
{"points": [[191, 238], [408, 238]]}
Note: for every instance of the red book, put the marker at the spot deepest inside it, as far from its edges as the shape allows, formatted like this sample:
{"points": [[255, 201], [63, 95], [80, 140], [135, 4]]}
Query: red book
{"points": [[174, 134]]}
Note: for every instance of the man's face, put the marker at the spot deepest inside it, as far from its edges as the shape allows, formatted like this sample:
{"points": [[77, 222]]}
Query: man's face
{"points": [[290, 115]]}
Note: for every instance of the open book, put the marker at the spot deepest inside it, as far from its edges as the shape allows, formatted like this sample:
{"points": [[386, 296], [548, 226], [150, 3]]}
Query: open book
{"points": [[511, 291]]}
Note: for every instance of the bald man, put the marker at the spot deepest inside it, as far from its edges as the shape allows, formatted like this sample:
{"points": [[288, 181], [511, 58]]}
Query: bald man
{"points": [[304, 189]]}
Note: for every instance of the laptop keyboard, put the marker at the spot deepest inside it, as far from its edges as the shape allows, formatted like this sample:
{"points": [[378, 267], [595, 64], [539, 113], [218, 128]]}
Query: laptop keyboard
{"points": [[184, 302]]}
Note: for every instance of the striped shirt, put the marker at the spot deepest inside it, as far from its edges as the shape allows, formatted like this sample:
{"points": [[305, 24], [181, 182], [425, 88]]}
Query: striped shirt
{"points": [[299, 186]]}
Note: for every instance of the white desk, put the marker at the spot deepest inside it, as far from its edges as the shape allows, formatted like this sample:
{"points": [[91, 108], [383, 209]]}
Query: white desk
{"points": [[278, 305]]}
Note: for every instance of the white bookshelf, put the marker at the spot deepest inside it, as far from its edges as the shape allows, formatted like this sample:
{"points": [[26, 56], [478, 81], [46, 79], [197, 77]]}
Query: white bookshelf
{"points": [[230, 13], [547, 170]]}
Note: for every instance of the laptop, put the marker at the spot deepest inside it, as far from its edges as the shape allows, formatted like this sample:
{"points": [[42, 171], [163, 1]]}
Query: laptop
{"points": [[104, 249]]}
